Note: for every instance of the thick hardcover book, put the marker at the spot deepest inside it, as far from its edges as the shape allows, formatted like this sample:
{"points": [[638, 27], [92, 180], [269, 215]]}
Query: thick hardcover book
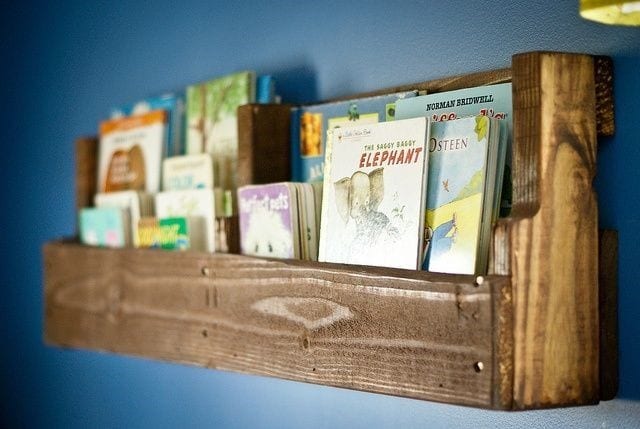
{"points": [[494, 101], [171, 103], [263, 143], [309, 125], [462, 157], [131, 151], [373, 195], [269, 220], [213, 123]]}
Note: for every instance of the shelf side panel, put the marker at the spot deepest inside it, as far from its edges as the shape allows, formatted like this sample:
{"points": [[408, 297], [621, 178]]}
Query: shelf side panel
{"points": [[398, 332], [554, 236], [86, 171], [263, 143]]}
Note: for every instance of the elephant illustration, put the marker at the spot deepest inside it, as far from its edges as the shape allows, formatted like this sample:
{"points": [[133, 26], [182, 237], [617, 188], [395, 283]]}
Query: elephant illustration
{"points": [[358, 197]]}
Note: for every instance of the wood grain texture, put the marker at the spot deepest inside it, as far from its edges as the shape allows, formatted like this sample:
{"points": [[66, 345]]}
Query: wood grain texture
{"points": [[263, 143], [608, 301], [399, 332], [86, 171], [554, 235], [605, 112]]}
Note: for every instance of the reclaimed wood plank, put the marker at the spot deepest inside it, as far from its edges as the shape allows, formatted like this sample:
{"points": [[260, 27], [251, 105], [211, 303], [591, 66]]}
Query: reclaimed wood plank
{"points": [[399, 332], [554, 232], [605, 112], [264, 143]]}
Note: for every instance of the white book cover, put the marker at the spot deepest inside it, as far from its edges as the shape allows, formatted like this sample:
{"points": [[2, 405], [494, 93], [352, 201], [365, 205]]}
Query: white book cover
{"points": [[373, 194], [187, 172], [131, 151], [190, 203]]}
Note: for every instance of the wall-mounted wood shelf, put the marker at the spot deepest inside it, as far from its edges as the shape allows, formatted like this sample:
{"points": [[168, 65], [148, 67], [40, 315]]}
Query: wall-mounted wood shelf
{"points": [[526, 336]]}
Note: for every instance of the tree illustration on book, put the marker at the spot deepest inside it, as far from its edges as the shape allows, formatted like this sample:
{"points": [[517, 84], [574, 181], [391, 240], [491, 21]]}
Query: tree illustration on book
{"points": [[223, 96]]}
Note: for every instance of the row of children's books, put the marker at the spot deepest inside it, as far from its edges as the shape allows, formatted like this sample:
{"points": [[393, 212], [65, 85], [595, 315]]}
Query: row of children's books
{"points": [[402, 180], [166, 166], [409, 181]]}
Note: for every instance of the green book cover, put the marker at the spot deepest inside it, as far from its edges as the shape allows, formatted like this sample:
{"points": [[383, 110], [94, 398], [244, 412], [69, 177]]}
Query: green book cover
{"points": [[174, 233]]}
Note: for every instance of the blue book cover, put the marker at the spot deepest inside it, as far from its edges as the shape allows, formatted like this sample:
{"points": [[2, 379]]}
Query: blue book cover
{"points": [[104, 226], [309, 125], [173, 104], [494, 101]]}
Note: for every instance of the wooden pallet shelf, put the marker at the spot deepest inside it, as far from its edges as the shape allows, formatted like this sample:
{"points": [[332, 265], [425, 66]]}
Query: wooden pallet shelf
{"points": [[527, 336]]}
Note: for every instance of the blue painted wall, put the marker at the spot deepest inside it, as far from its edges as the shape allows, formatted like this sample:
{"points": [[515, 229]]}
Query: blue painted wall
{"points": [[65, 66]]}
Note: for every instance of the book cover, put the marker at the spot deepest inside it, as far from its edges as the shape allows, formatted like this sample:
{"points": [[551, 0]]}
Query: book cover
{"points": [[187, 172], [269, 220], [373, 194], [148, 233], [196, 203], [130, 152], [194, 118], [139, 204], [104, 226], [213, 123], [174, 106], [457, 195], [494, 101], [174, 233], [223, 97], [309, 125]]}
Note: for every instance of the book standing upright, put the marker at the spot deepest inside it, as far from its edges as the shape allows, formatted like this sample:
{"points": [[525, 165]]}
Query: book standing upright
{"points": [[373, 196], [462, 166]]}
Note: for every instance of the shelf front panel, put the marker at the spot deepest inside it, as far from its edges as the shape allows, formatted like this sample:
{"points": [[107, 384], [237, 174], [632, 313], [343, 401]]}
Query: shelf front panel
{"points": [[408, 333]]}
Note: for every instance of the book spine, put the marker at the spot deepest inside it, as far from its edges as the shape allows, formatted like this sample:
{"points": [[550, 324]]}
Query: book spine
{"points": [[294, 143]]}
